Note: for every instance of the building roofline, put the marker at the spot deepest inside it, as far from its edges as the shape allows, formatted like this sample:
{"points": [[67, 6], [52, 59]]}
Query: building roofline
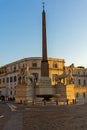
{"points": [[31, 58]]}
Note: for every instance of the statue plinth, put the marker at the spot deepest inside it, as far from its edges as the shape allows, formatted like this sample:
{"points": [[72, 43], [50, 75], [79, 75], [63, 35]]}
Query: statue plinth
{"points": [[61, 92], [30, 92], [20, 93]]}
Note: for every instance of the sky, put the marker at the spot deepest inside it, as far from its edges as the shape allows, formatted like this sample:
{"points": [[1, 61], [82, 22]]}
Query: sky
{"points": [[21, 30]]}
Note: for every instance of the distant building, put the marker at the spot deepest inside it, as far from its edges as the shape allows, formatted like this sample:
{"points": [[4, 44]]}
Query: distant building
{"points": [[77, 89], [80, 82], [3, 90]]}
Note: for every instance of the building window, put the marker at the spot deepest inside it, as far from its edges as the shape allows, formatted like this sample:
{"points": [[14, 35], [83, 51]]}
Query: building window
{"points": [[11, 92], [0, 81], [84, 73], [14, 68], [77, 95], [84, 94], [23, 65], [3, 80], [34, 64], [7, 79], [78, 73], [10, 79], [84, 82], [15, 79], [55, 65], [0, 93], [79, 82]]}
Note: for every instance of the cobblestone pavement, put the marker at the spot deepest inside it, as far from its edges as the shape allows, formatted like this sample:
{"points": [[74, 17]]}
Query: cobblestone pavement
{"points": [[26, 117], [12, 119], [4, 113], [72, 117], [15, 122]]}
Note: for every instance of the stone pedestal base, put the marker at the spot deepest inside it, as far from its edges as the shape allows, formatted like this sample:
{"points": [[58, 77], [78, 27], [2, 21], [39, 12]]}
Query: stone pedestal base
{"points": [[70, 90], [24, 93], [61, 94], [44, 87], [20, 93], [30, 93]]}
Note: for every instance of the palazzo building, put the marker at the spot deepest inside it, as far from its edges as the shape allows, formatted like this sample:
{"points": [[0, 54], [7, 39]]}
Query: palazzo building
{"points": [[78, 87], [9, 73]]}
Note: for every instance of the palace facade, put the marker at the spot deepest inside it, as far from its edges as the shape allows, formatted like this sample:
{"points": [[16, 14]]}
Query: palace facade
{"points": [[9, 73], [76, 82], [77, 89]]}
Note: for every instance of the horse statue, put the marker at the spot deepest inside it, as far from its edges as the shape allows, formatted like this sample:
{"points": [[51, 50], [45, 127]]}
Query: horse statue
{"points": [[30, 78]]}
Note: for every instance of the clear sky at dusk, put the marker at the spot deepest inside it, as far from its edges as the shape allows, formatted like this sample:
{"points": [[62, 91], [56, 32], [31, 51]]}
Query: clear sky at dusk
{"points": [[21, 26]]}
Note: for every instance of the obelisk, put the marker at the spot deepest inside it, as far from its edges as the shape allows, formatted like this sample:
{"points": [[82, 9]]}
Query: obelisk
{"points": [[44, 89], [44, 62]]}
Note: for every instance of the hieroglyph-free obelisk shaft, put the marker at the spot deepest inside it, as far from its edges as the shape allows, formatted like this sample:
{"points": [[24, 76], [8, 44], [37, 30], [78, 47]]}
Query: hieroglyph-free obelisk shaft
{"points": [[44, 62]]}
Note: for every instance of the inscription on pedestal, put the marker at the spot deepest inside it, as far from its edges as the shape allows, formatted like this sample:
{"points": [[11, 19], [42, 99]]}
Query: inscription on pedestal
{"points": [[45, 82]]}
